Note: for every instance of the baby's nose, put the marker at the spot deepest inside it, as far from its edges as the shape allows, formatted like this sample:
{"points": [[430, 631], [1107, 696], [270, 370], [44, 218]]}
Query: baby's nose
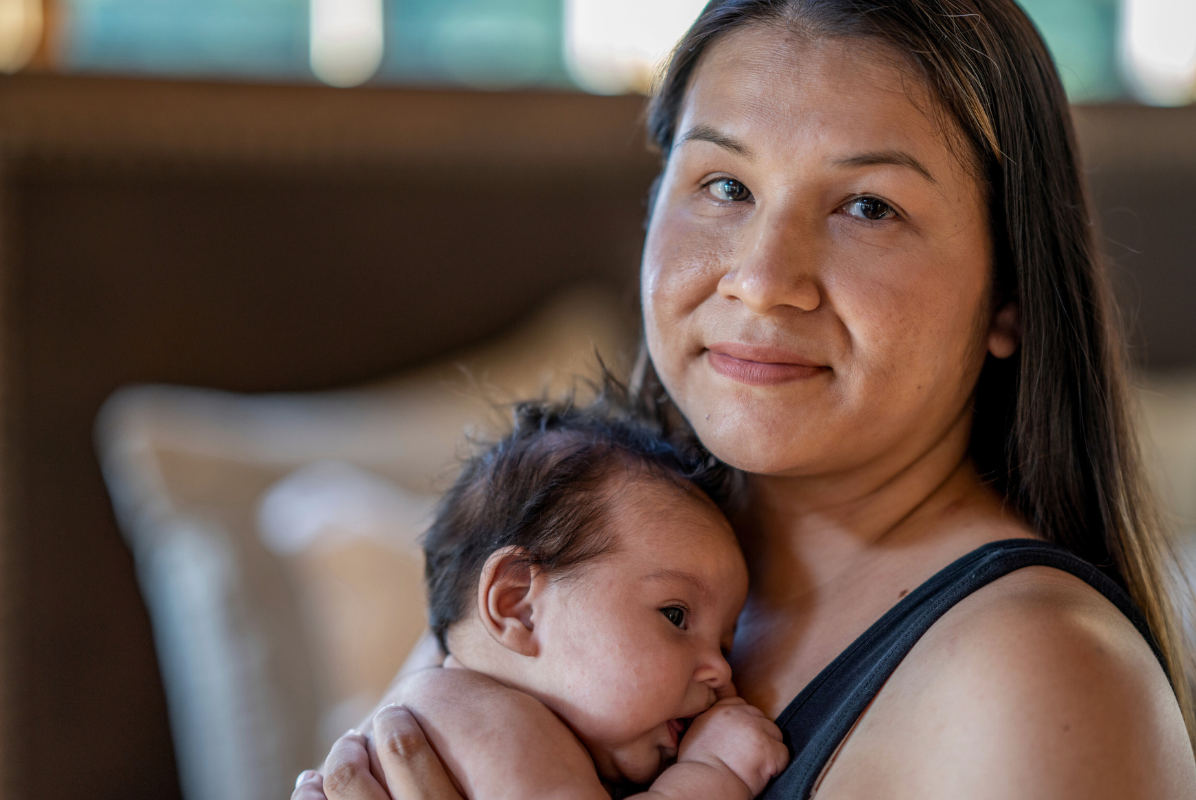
{"points": [[715, 672]]}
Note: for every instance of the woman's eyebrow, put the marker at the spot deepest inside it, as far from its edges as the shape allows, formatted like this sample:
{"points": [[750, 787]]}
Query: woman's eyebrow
{"points": [[895, 157], [705, 133]]}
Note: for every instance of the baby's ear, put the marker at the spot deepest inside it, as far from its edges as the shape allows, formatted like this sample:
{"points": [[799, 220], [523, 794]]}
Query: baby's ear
{"points": [[506, 591]]}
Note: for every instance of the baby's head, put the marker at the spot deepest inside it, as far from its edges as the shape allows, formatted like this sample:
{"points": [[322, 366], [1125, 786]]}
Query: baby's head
{"points": [[583, 560]]}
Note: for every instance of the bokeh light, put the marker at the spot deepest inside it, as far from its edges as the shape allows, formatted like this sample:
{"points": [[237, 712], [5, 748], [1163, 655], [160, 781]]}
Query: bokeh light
{"points": [[616, 46], [346, 40], [20, 32], [1158, 50]]}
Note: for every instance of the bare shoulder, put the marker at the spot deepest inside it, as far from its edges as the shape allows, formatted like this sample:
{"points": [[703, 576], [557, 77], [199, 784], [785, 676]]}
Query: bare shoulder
{"points": [[1034, 686], [498, 742]]}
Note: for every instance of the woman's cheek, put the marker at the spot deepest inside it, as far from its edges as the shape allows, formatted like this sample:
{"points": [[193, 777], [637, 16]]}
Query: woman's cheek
{"points": [[675, 277], [681, 272], [912, 362]]}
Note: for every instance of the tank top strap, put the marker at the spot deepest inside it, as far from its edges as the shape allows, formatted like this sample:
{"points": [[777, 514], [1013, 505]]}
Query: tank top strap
{"points": [[824, 712]]}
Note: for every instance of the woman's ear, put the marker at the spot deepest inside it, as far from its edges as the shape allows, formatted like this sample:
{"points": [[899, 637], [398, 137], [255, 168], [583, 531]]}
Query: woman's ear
{"points": [[1005, 330], [507, 591]]}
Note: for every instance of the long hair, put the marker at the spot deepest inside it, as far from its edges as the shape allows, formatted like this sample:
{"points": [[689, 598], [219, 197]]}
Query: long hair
{"points": [[1053, 428]]}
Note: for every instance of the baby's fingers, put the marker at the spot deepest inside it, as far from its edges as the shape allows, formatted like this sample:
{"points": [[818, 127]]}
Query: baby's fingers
{"points": [[753, 711], [412, 769], [777, 759], [771, 729], [347, 773]]}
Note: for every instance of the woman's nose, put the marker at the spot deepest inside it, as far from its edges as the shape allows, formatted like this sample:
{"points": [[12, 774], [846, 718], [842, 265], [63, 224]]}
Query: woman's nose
{"points": [[775, 267]]}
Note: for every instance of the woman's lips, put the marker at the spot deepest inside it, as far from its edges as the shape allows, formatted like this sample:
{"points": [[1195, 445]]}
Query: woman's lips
{"points": [[756, 365]]}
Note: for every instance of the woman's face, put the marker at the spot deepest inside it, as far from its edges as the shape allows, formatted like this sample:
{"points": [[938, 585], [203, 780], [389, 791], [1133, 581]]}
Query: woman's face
{"points": [[816, 273]]}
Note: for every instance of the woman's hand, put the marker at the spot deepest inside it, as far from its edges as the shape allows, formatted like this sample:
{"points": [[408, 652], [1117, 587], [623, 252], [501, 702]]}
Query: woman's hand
{"points": [[395, 762]]}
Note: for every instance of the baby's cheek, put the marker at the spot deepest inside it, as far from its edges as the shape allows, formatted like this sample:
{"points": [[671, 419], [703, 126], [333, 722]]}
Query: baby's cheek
{"points": [[618, 684], [619, 707], [623, 698], [619, 736]]}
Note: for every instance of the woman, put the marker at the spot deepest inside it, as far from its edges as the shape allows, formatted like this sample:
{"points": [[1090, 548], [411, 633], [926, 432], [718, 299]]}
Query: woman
{"points": [[871, 282]]}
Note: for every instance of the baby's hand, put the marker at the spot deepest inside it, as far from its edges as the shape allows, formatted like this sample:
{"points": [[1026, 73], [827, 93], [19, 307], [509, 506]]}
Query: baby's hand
{"points": [[735, 736]]}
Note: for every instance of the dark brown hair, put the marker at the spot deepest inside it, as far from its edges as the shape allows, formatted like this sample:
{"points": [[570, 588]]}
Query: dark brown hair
{"points": [[545, 488], [1052, 428]]}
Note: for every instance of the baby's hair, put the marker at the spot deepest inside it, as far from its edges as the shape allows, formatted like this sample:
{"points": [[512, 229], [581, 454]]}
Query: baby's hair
{"points": [[544, 488]]}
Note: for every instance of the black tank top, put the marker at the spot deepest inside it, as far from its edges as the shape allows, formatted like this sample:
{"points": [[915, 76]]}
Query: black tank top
{"points": [[823, 714]]}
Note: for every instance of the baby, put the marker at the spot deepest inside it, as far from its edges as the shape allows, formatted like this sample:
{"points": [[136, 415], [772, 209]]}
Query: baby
{"points": [[586, 588]]}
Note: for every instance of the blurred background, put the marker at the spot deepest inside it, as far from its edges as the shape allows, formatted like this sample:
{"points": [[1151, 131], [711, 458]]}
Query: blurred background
{"points": [[260, 260]]}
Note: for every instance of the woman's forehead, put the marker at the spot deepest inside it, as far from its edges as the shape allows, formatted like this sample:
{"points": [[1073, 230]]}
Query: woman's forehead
{"points": [[773, 90]]}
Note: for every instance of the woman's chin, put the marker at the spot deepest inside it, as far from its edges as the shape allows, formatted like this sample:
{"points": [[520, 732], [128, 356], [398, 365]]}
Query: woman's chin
{"points": [[754, 449], [762, 431], [759, 465]]}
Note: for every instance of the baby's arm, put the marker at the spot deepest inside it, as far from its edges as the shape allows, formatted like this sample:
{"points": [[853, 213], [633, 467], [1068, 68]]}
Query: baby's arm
{"points": [[497, 742], [730, 751]]}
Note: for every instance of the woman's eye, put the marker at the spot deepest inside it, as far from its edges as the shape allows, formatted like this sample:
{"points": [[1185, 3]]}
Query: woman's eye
{"points": [[674, 615], [870, 208], [729, 190]]}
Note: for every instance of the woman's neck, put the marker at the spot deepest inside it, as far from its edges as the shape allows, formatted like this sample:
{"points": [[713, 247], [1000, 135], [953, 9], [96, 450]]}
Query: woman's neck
{"points": [[820, 527], [828, 556]]}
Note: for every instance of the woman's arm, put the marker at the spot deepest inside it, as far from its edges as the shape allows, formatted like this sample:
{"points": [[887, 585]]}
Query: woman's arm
{"points": [[358, 768], [394, 762], [492, 741]]}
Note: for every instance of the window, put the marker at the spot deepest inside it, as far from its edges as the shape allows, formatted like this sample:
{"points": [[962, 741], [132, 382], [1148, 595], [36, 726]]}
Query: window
{"points": [[1105, 49]]}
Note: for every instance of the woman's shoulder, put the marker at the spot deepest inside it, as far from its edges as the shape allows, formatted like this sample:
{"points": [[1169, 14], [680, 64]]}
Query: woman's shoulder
{"points": [[1042, 636], [1036, 669], [1032, 627]]}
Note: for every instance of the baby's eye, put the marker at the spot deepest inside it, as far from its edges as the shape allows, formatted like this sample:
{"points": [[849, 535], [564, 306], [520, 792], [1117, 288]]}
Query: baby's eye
{"points": [[870, 208], [674, 615], [729, 190]]}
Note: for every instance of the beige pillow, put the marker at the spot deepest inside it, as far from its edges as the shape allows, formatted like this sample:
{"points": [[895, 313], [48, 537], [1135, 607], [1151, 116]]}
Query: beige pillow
{"points": [[349, 542], [276, 536], [1168, 412]]}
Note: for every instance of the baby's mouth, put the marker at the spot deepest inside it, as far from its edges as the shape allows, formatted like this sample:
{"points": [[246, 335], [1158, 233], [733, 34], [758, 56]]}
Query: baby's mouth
{"points": [[677, 728]]}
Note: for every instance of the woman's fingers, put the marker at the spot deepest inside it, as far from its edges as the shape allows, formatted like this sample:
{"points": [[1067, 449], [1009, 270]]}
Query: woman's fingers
{"points": [[309, 786], [411, 767], [399, 750], [347, 773]]}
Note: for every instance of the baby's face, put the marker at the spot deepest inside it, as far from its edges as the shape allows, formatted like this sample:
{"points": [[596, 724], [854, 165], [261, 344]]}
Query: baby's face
{"points": [[635, 641]]}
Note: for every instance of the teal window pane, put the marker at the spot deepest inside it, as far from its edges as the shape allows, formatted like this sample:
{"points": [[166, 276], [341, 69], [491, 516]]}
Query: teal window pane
{"points": [[1082, 37], [233, 38], [491, 43], [485, 43]]}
